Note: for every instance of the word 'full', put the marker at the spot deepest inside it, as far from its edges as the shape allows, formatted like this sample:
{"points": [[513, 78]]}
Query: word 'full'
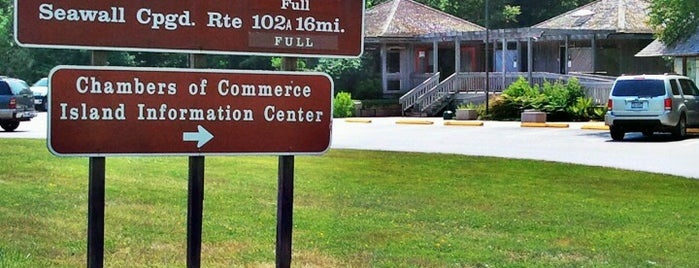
{"points": [[301, 5]]}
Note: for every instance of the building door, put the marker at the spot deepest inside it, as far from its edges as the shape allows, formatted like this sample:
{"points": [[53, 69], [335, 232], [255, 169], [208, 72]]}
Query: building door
{"points": [[510, 59], [563, 60]]}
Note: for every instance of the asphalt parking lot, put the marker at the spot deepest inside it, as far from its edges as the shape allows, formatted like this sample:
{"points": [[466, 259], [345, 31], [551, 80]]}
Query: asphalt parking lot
{"points": [[570, 144]]}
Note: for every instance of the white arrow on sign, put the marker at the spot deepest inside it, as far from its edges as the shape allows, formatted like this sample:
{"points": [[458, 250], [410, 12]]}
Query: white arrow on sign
{"points": [[202, 136]]}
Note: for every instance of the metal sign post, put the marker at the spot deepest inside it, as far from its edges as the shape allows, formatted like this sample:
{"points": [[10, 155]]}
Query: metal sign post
{"points": [[195, 197], [285, 196], [95, 206]]}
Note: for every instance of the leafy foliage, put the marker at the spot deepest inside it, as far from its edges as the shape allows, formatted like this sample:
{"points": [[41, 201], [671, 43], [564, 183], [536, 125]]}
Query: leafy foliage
{"points": [[581, 108], [503, 13], [524, 96], [277, 64], [561, 101], [356, 76], [343, 106], [675, 20]]}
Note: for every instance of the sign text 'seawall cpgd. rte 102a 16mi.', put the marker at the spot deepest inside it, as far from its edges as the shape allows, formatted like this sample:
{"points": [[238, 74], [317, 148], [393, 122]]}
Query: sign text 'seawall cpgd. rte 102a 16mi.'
{"points": [[308, 28], [99, 111]]}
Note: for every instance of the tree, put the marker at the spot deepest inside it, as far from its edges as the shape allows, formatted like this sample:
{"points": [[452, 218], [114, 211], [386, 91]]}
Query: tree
{"points": [[503, 13], [534, 12], [31, 63], [674, 20]]}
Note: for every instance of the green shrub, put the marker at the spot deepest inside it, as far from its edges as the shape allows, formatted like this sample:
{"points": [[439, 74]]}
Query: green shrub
{"points": [[502, 109], [369, 89], [584, 110], [523, 96], [343, 106], [520, 88], [598, 113], [557, 99], [581, 109]]}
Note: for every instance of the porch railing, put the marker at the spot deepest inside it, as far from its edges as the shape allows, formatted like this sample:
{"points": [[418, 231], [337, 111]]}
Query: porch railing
{"points": [[437, 94], [431, 91], [597, 88], [410, 98]]}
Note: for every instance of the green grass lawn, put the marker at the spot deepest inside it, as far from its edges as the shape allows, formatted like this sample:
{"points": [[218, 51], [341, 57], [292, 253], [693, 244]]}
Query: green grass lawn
{"points": [[352, 209]]}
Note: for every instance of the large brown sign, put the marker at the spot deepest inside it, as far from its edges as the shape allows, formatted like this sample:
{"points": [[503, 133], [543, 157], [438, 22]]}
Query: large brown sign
{"points": [[97, 111], [314, 28]]}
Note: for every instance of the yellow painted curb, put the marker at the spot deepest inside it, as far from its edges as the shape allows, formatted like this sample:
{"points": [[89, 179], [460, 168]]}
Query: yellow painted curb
{"points": [[415, 122], [693, 130], [551, 125], [558, 125], [358, 120], [464, 123], [595, 127], [533, 125]]}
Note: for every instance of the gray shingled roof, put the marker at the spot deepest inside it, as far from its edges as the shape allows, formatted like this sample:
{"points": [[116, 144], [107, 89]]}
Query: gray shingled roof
{"points": [[688, 47], [621, 16], [406, 18]]}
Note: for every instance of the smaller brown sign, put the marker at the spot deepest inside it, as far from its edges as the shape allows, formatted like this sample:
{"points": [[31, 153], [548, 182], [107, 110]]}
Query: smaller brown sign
{"points": [[315, 28], [98, 111]]}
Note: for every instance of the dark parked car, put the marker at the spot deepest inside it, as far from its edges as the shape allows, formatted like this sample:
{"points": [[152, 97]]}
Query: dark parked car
{"points": [[16, 103], [41, 90]]}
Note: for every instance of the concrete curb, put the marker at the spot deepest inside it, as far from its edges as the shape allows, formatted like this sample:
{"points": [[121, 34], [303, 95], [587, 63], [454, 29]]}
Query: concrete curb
{"points": [[358, 120], [414, 122], [464, 123], [594, 127], [548, 125]]}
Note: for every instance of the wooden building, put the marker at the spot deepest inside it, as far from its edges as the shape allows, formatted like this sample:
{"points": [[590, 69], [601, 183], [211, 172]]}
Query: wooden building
{"points": [[394, 29], [685, 54], [613, 31], [428, 56]]}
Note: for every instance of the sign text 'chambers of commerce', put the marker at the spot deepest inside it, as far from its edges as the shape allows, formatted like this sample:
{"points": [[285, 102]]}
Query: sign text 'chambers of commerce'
{"points": [[142, 111]]}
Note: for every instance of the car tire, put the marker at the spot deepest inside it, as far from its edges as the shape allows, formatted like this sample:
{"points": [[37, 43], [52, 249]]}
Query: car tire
{"points": [[680, 130], [9, 126], [616, 133]]}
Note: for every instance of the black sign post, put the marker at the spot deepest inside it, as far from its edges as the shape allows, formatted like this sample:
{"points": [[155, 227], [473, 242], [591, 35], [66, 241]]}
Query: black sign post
{"points": [[195, 199], [95, 205], [285, 196]]}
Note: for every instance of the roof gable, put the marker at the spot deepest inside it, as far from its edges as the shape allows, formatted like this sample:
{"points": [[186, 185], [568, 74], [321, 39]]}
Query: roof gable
{"points": [[685, 48], [622, 16], [407, 18]]}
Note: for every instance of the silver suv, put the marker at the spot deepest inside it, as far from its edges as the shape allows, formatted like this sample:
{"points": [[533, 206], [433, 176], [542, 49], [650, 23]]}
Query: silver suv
{"points": [[652, 103]]}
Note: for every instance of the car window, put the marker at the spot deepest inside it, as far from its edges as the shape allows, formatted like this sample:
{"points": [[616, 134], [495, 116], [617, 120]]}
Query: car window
{"points": [[675, 87], [17, 85], [5, 88], [43, 82], [639, 87], [688, 87]]}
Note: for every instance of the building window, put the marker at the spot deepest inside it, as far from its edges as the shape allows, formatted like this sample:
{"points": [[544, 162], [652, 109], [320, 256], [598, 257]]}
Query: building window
{"points": [[393, 61], [393, 85]]}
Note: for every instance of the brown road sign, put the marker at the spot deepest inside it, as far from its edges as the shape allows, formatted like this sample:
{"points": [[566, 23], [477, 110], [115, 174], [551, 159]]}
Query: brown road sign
{"points": [[315, 28], [99, 111]]}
